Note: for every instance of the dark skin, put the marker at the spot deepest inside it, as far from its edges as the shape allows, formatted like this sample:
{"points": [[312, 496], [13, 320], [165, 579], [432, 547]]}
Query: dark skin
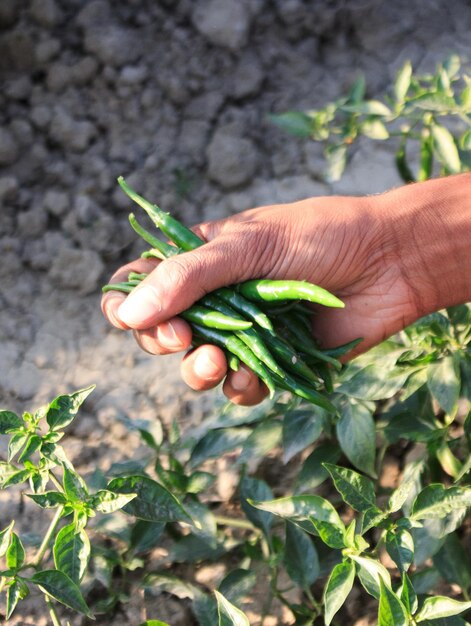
{"points": [[390, 258]]}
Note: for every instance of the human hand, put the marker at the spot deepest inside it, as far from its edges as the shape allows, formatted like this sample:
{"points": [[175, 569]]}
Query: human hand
{"points": [[362, 249]]}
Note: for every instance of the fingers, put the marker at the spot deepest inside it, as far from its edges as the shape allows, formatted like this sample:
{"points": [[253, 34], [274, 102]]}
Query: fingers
{"points": [[179, 281], [205, 367], [171, 336], [112, 300]]}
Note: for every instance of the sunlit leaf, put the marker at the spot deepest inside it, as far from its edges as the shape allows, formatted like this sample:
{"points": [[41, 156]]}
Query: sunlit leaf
{"points": [[391, 610], [355, 489], [445, 148], [440, 606], [61, 588], [338, 587], [72, 552], [63, 409], [153, 503]]}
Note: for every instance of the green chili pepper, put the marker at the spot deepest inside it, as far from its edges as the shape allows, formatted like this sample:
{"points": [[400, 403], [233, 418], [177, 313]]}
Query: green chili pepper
{"points": [[343, 349], [244, 306], [153, 254], [304, 342], [290, 383], [270, 290], [233, 362], [229, 342], [124, 287], [249, 336], [289, 358], [213, 319], [162, 246], [183, 237], [251, 339]]}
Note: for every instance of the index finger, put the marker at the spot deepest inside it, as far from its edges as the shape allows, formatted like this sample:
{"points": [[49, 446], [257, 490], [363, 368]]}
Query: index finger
{"points": [[111, 300]]}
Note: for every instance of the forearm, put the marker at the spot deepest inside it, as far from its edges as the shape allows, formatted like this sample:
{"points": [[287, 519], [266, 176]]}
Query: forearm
{"points": [[430, 232]]}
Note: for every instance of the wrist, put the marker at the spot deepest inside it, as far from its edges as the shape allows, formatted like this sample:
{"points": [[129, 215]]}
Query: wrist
{"points": [[429, 233]]}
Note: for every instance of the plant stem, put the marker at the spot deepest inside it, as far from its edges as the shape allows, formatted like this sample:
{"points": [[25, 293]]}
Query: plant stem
{"points": [[56, 481], [47, 537], [222, 520], [52, 611]]}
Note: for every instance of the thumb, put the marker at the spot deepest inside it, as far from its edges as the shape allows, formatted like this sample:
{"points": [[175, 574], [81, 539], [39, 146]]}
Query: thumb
{"points": [[179, 281]]}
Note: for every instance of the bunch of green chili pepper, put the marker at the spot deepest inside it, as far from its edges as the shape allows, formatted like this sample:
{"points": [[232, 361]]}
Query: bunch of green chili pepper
{"points": [[262, 323]]}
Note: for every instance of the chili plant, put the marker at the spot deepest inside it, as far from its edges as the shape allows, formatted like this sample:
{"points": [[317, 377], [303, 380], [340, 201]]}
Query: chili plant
{"points": [[419, 110]]}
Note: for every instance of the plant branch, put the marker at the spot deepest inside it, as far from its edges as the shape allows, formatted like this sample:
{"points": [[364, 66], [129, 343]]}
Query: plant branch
{"points": [[50, 531], [52, 611]]}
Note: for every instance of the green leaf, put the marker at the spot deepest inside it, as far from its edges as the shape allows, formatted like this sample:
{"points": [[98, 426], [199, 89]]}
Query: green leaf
{"points": [[63, 409], [229, 615], [465, 140], [63, 589], [439, 102], [145, 535], [9, 421], [7, 470], [426, 158], [154, 622], [443, 380], [17, 478], [299, 510], [402, 82], [105, 501], [368, 107], [441, 606], [15, 554], [408, 595], [400, 547], [331, 534], [370, 573], [15, 592], [15, 444], [391, 610], [255, 489], [374, 383], [409, 483], [300, 558], [313, 473], [338, 587], [374, 129], [237, 584], [74, 486], [72, 552], [33, 444], [48, 500], [357, 90], [261, 441], [356, 490], [5, 538], [453, 562], [153, 502], [445, 148], [205, 525], [301, 428], [452, 65], [437, 501], [356, 433], [336, 158], [294, 122], [402, 164], [216, 442]]}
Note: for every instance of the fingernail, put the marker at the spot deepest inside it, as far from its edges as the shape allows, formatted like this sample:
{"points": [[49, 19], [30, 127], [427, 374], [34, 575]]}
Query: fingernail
{"points": [[240, 380], [167, 336], [205, 367], [140, 306]]}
